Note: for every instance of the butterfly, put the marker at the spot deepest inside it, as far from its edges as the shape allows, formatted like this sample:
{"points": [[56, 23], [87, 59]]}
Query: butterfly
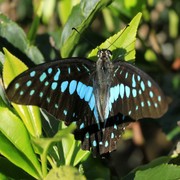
{"points": [[101, 97]]}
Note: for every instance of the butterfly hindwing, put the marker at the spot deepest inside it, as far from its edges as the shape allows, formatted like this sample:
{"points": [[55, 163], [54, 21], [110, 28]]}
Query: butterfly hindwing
{"points": [[104, 139], [60, 87], [135, 94]]}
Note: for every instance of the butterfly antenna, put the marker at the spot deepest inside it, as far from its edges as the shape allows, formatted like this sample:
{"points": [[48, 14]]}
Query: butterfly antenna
{"points": [[118, 37], [87, 40]]}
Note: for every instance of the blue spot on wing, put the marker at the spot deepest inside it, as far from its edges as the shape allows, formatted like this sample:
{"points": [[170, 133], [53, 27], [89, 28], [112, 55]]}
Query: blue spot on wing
{"points": [[65, 112], [33, 73], [50, 70], [142, 85], [41, 94], [56, 76], [159, 98], [64, 86], [121, 90], [133, 81], [17, 85], [72, 86], [29, 83], [82, 91], [21, 93], [94, 143], [114, 93], [92, 102], [86, 92], [46, 83], [32, 92], [151, 94], [43, 77], [54, 85], [127, 89], [149, 83], [82, 126], [79, 87], [134, 93]]}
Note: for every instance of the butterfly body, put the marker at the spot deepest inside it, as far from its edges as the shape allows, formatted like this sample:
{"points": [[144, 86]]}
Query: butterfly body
{"points": [[101, 97], [102, 83]]}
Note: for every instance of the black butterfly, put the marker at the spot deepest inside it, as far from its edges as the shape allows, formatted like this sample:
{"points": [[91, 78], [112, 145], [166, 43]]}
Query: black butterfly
{"points": [[102, 97]]}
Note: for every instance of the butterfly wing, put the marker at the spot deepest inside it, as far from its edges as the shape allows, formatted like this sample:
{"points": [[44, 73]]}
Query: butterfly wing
{"points": [[101, 140], [65, 89], [135, 94], [58, 87]]}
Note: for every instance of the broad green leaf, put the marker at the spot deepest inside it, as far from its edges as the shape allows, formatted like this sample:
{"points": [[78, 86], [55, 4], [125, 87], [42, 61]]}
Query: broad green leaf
{"points": [[155, 163], [15, 143], [81, 17], [161, 172], [80, 155], [64, 9], [14, 35], [121, 44], [65, 173], [10, 171], [72, 150], [29, 114]]}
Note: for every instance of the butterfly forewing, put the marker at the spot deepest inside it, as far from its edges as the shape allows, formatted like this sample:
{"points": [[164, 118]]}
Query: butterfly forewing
{"points": [[57, 87], [135, 94]]}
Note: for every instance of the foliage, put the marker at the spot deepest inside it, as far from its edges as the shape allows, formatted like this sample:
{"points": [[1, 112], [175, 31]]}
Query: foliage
{"points": [[36, 145]]}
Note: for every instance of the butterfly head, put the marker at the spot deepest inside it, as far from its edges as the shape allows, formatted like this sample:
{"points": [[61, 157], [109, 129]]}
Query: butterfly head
{"points": [[104, 54]]}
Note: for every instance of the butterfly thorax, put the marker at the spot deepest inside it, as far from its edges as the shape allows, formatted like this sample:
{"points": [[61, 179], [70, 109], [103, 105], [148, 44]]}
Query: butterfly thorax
{"points": [[102, 83]]}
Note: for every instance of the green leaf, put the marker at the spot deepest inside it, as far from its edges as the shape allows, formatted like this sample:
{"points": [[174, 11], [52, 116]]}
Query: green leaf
{"points": [[29, 114], [15, 144], [72, 152], [64, 10], [80, 155], [48, 12], [14, 35], [155, 163], [161, 172], [121, 44], [65, 173], [10, 171], [42, 145], [81, 17]]}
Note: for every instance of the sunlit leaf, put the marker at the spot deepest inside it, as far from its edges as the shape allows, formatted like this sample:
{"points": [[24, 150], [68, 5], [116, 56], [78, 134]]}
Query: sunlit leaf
{"points": [[29, 114], [15, 144], [81, 16], [121, 44]]}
